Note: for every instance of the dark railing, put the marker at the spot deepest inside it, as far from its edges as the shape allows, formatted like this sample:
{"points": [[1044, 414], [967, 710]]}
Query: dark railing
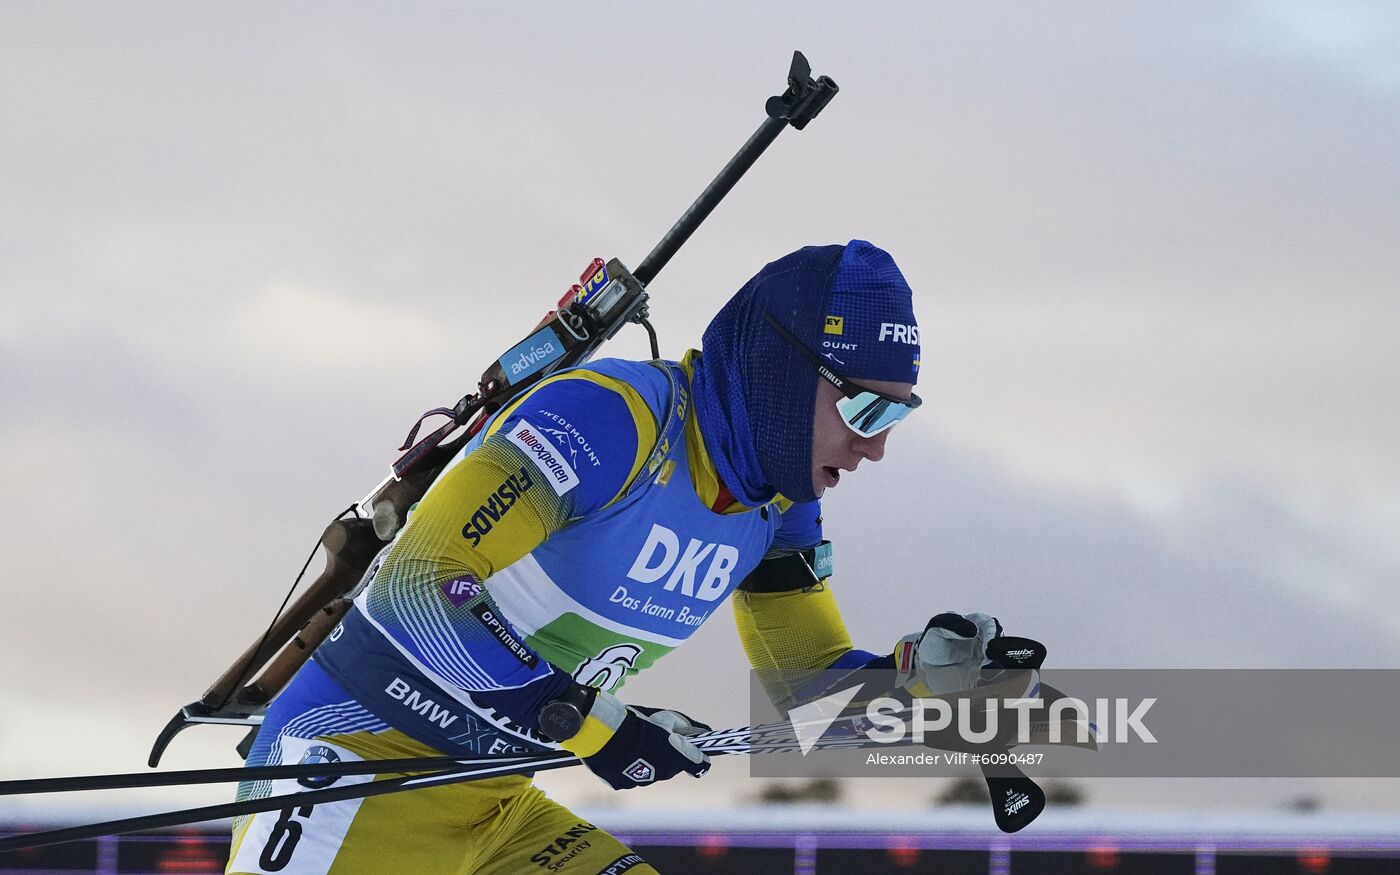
{"points": [[830, 853]]}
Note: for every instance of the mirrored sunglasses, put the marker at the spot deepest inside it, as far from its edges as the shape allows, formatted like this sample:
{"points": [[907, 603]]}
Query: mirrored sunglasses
{"points": [[865, 411]]}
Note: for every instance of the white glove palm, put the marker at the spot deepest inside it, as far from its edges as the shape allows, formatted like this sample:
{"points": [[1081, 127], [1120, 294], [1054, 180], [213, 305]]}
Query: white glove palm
{"points": [[946, 656]]}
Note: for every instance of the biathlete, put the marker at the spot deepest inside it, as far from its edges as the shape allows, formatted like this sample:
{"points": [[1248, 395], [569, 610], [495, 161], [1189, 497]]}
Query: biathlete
{"points": [[586, 532]]}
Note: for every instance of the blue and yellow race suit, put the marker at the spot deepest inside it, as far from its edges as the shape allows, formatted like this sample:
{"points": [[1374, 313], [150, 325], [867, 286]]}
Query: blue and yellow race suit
{"points": [[576, 538]]}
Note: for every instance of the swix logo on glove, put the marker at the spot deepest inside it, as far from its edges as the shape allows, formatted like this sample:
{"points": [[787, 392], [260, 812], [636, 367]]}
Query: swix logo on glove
{"points": [[557, 472], [662, 553]]}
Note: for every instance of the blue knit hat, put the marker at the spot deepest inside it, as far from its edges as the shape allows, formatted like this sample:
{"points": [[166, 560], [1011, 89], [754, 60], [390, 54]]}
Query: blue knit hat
{"points": [[754, 393]]}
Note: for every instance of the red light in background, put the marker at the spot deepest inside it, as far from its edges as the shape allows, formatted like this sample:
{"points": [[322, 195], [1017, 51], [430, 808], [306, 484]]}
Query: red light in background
{"points": [[1104, 857], [903, 854], [1314, 860], [712, 847], [190, 852]]}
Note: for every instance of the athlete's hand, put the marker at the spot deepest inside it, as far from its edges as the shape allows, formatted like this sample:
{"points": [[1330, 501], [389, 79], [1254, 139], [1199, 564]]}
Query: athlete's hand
{"points": [[946, 656], [643, 747], [677, 722]]}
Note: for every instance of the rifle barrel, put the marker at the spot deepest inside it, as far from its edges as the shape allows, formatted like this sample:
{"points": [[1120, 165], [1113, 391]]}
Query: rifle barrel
{"points": [[709, 199]]}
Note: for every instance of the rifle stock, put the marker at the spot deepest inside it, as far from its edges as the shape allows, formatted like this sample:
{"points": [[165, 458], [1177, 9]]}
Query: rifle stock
{"points": [[349, 545], [285, 664]]}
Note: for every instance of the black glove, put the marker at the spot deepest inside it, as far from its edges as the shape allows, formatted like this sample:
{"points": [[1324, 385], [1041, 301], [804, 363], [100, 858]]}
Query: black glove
{"points": [[647, 745]]}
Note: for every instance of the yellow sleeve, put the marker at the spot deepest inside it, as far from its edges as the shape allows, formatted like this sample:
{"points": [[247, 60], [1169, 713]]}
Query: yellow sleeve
{"points": [[494, 506], [790, 637], [486, 512]]}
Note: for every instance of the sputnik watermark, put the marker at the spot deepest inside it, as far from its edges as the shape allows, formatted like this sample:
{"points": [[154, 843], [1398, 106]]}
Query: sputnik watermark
{"points": [[974, 722], [1114, 721], [1148, 723]]}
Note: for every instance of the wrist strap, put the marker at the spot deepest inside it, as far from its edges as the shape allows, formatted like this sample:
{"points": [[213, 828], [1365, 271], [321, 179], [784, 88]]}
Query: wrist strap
{"points": [[800, 570], [600, 724]]}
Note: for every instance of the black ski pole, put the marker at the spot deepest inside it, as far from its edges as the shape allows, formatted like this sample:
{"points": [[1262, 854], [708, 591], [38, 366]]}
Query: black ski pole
{"points": [[720, 741], [137, 780], [407, 765], [271, 803], [715, 743], [775, 737]]}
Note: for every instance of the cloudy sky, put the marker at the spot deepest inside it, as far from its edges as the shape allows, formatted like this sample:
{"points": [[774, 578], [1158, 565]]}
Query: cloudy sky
{"points": [[1155, 249]]}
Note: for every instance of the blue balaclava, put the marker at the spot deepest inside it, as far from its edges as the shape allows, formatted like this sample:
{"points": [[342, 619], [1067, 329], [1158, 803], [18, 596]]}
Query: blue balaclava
{"points": [[754, 393]]}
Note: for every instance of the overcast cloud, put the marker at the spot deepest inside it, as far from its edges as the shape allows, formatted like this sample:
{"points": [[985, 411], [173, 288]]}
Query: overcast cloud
{"points": [[1154, 248]]}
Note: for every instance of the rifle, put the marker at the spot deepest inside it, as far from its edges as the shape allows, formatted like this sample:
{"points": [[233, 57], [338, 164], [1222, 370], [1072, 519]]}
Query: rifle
{"points": [[607, 296]]}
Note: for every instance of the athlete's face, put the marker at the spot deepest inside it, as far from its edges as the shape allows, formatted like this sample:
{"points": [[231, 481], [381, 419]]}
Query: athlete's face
{"points": [[835, 448]]}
